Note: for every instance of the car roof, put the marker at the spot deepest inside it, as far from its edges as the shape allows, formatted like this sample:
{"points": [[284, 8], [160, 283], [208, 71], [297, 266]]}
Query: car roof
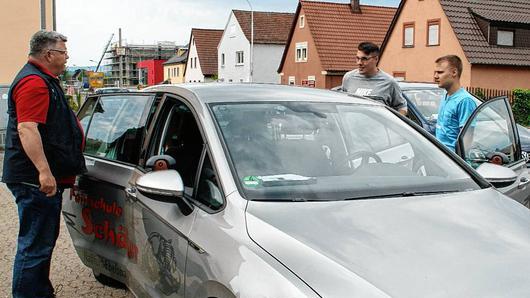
{"points": [[244, 92], [417, 85]]}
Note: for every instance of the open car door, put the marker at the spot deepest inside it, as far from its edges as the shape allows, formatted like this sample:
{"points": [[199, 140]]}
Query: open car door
{"points": [[490, 136]]}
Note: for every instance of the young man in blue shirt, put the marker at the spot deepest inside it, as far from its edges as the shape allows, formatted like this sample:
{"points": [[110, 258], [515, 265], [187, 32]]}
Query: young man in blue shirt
{"points": [[458, 104]]}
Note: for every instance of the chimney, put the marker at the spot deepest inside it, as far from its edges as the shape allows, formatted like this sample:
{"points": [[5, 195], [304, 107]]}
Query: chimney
{"points": [[355, 6]]}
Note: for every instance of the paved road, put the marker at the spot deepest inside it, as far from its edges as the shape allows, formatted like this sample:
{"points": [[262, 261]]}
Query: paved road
{"points": [[67, 270]]}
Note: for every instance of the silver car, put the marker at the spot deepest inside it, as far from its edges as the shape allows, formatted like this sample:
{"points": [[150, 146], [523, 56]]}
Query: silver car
{"points": [[275, 191]]}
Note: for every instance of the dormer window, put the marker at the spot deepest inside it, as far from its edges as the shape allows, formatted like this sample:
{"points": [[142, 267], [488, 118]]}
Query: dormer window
{"points": [[505, 38]]}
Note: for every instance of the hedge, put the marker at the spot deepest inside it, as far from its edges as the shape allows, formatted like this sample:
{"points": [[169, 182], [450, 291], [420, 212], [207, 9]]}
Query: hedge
{"points": [[521, 106]]}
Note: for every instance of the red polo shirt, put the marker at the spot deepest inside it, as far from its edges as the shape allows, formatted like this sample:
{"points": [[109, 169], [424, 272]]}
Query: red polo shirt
{"points": [[32, 99]]}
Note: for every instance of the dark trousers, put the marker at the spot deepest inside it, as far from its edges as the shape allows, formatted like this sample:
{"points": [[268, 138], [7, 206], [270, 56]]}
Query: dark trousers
{"points": [[39, 219]]}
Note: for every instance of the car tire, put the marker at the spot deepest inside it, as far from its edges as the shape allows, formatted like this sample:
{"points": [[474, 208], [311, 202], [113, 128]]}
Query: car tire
{"points": [[108, 281]]}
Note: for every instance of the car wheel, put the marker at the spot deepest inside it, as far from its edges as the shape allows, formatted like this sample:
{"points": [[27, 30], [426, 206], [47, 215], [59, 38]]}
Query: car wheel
{"points": [[108, 281]]}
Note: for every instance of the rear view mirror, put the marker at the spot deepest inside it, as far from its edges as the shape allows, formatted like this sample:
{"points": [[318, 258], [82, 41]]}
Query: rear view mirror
{"points": [[497, 175]]}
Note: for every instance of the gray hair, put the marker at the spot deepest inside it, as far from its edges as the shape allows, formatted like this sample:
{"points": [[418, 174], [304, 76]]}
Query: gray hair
{"points": [[43, 40]]}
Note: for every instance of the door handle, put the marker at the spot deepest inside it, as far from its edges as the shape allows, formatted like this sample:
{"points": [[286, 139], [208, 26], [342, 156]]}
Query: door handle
{"points": [[524, 182]]}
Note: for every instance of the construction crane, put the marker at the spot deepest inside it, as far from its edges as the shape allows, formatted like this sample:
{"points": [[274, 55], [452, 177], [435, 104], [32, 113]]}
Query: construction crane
{"points": [[104, 51]]}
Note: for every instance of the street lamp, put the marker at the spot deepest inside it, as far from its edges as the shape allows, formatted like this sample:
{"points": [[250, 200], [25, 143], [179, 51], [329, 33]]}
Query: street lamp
{"points": [[251, 41]]}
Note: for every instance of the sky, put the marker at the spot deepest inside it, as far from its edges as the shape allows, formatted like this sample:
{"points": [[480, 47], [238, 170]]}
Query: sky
{"points": [[89, 24]]}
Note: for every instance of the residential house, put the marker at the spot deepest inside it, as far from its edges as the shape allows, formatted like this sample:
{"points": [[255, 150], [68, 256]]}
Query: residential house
{"points": [[174, 67], [491, 37], [271, 30], [323, 41], [202, 58], [19, 21]]}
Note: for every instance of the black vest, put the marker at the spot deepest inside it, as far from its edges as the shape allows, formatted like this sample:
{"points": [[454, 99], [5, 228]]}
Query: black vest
{"points": [[61, 136]]}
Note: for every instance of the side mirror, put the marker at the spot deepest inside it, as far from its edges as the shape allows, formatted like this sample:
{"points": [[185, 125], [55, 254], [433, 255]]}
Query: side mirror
{"points": [[165, 183], [165, 186], [497, 175]]}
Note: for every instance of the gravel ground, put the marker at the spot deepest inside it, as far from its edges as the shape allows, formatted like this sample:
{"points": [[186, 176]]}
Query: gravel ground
{"points": [[67, 271]]}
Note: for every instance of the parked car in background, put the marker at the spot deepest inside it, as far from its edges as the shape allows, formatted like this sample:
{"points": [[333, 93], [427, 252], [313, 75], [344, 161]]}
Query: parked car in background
{"points": [[424, 100], [229, 190]]}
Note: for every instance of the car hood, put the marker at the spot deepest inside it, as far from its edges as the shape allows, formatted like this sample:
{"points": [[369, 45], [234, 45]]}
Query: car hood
{"points": [[473, 244]]}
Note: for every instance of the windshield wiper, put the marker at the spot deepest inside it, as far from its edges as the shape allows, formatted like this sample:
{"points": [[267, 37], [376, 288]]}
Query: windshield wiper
{"points": [[403, 194]]}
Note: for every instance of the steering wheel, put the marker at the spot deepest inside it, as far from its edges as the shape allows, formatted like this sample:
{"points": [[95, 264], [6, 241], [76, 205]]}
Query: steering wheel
{"points": [[365, 157]]}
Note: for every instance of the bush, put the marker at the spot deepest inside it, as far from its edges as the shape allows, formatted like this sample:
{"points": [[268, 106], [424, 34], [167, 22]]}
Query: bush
{"points": [[521, 106]]}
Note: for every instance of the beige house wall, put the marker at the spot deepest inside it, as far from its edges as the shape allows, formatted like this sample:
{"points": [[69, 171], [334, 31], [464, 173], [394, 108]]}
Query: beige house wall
{"points": [[169, 75], [500, 77], [21, 19], [418, 62]]}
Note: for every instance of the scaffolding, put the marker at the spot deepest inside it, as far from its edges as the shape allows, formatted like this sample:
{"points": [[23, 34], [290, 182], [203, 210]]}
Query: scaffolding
{"points": [[122, 58]]}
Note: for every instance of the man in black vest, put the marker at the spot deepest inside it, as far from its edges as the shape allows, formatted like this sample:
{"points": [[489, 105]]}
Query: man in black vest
{"points": [[43, 153]]}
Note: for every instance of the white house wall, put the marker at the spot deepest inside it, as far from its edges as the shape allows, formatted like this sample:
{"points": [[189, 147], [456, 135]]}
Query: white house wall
{"points": [[193, 74], [266, 62], [230, 43]]}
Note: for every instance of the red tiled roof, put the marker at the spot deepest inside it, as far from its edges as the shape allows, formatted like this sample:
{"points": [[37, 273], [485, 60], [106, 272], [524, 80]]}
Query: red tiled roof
{"points": [[473, 41], [269, 27], [337, 30], [206, 41]]}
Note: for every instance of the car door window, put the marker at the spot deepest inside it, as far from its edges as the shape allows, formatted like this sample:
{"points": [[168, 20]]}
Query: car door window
{"points": [[489, 135], [179, 137], [86, 111], [117, 127], [208, 191]]}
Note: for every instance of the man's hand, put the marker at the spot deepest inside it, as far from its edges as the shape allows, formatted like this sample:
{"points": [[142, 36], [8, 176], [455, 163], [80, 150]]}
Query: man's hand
{"points": [[403, 111], [47, 182], [32, 144]]}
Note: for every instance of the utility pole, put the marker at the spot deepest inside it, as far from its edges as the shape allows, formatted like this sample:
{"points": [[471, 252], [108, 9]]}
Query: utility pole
{"points": [[251, 70]]}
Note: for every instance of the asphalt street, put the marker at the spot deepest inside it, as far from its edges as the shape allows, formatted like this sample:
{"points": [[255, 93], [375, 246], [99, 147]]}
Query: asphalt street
{"points": [[67, 273]]}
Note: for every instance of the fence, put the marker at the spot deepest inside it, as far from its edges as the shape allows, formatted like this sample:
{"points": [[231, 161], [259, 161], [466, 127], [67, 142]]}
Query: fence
{"points": [[490, 93]]}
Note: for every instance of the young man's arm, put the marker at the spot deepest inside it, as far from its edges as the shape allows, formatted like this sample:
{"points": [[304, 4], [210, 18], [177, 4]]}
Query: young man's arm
{"points": [[400, 103]]}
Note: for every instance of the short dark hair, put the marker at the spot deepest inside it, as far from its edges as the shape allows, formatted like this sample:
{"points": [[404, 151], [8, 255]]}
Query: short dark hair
{"points": [[369, 48], [453, 61], [43, 40]]}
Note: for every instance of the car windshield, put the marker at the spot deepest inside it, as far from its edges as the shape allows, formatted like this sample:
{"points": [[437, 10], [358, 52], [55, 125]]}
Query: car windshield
{"points": [[428, 101], [331, 151]]}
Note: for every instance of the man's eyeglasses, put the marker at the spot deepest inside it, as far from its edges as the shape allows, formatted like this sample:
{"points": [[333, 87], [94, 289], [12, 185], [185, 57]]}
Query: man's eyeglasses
{"points": [[65, 52], [364, 59]]}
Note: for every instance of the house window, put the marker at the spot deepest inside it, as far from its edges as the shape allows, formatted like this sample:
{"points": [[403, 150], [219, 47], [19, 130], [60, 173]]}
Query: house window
{"points": [[301, 52], [292, 81], [223, 60], [311, 80], [192, 41], [232, 30], [433, 32], [195, 63], [399, 75], [169, 72], [302, 21], [408, 35], [505, 38], [178, 71], [240, 58]]}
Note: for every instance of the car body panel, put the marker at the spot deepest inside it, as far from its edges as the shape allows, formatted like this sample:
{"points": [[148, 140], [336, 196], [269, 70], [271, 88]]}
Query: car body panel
{"points": [[434, 246]]}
